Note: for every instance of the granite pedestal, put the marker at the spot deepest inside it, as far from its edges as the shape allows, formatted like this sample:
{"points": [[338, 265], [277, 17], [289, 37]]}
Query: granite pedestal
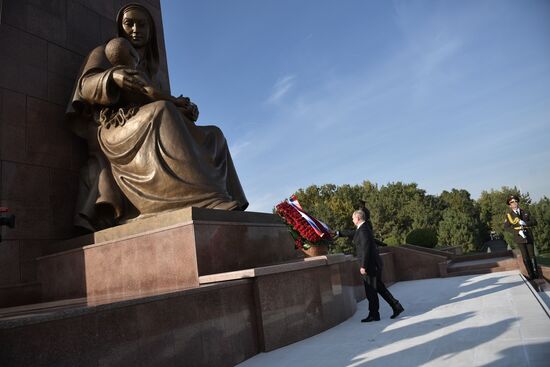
{"points": [[163, 253], [227, 319]]}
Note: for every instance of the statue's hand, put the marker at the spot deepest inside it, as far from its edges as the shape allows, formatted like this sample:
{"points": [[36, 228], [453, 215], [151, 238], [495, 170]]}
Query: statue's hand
{"points": [[188, 108], [129, 79], [194, 112], [182, 102]]}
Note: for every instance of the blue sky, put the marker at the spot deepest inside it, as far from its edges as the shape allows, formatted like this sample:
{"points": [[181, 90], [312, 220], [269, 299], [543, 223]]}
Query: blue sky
{"points": [[447, 94]]}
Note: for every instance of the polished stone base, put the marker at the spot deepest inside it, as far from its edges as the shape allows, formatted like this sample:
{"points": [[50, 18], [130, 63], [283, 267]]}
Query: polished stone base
{"points": [[163, 253], [228, 319], [297, 300], [19, 294], [213, 325]]}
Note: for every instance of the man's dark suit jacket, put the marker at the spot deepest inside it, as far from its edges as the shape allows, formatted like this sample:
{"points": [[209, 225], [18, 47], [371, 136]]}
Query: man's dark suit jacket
{"points": [[367, 251]]}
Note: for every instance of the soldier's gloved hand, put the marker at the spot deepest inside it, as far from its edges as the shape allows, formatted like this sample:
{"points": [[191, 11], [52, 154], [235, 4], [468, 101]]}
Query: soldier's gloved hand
{"points": [[522, 234], [522, 223]]}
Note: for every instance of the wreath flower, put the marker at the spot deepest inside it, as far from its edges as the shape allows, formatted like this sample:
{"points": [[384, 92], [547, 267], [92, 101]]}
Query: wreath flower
{"points": [[306, 230]]}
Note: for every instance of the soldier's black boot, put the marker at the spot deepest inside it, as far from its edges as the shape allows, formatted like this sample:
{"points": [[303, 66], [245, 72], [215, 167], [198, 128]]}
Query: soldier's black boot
{"points": [[535, 266], [529, 267]]}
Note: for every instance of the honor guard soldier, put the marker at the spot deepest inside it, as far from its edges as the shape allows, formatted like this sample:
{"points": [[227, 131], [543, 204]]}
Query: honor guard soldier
{"points": [[519, 222]]}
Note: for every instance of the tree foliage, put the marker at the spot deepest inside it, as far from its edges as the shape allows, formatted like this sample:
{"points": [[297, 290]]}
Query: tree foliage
{"points": [[425, 237], [456, 228], [541, 212], [460, 223]]}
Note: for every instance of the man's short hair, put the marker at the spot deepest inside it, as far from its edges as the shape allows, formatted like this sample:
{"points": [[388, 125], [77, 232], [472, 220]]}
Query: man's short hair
{"points": [[359, 214]]}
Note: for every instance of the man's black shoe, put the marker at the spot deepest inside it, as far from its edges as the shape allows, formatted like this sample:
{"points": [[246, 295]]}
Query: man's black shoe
{"points": [[370, 318], [397, 311]]}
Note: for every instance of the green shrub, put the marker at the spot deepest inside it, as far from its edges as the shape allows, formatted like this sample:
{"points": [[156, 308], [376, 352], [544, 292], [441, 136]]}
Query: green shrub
{"points": [[392, 241], [342, 245], [424, 237]]}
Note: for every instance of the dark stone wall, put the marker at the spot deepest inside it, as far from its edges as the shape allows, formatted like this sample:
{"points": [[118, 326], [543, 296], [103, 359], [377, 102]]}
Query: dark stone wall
{"points": [[42, 45], [213, 326]]}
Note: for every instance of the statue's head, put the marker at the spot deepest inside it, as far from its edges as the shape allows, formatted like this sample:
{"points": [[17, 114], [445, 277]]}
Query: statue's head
{"points": [[136, 24]]}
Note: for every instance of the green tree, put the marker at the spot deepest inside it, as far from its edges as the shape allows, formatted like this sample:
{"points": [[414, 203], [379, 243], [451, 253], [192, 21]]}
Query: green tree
{"points": [[457, 204], [333, 205], [457, 228], [541, 233], [425, 237], [314, 199], [342, 203], [398, 209]]}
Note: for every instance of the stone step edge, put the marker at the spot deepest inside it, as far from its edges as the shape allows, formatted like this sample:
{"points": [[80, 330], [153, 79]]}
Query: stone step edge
{"points": [[458, 267], [479, 271], [307, 263]]}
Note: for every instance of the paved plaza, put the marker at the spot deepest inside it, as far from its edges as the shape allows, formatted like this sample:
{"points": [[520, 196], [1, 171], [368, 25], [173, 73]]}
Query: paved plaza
{"points": [[478, 320]]}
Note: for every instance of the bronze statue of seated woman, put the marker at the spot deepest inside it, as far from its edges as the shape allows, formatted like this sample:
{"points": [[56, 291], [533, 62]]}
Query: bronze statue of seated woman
{"points": [[146, 154]]}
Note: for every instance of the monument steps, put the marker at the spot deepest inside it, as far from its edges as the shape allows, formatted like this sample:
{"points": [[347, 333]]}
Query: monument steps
{"points": [[479, 271], [229, 318], [206, 286], [481, 266]]}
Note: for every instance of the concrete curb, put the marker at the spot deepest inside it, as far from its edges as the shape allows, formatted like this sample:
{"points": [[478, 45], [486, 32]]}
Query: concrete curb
{"points": [[536, 294]]}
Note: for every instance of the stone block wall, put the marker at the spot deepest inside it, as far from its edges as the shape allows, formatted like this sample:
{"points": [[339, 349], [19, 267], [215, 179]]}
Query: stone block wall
{"points": [[410, 264], [42, 46]]}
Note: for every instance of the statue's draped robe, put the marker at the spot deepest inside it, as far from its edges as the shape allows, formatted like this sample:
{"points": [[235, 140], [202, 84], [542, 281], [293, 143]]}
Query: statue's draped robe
{"points": [[152, 160]]}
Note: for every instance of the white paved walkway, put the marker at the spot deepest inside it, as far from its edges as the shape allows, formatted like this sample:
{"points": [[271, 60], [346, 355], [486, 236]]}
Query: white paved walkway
{"points": [[482, 320]]}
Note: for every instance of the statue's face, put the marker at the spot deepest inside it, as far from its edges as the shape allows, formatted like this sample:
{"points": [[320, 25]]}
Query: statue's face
{"points": [[135, 24]]}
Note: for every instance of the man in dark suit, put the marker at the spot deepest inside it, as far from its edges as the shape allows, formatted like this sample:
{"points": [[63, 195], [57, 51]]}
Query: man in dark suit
{"points": [[370, 265], [519, 222]]}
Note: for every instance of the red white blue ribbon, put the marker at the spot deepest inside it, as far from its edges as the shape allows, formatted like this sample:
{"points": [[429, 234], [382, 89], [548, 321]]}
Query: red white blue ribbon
{"points": [[319, 227]]}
